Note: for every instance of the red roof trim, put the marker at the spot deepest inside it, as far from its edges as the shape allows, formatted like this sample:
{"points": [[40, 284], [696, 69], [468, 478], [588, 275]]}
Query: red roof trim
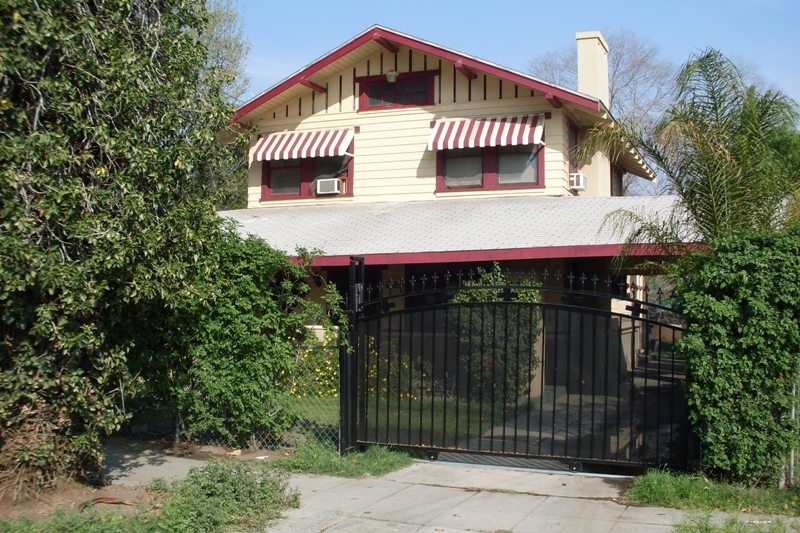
{"points": [[380, 34], [550, 252]]}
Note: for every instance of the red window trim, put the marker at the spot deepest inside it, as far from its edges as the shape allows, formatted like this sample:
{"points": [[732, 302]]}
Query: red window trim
{"points": [[489, 162], [365, 81], [307, 186]]}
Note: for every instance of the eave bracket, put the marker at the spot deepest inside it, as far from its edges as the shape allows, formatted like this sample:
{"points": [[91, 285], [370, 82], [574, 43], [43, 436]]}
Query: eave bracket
{"points": [[465, 71], [553, 100], [386, 43], [311, 85]]}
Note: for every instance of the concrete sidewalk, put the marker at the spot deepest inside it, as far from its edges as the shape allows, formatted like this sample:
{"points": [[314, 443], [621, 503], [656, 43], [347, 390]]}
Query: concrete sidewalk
{"points": [[439, 497], [450, 497], [134, 463]]}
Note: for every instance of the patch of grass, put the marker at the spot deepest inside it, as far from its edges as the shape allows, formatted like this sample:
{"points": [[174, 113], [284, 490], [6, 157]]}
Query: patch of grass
{"points": [[62, 521], [683, 491], [323, 458], [323, 411], [706, 524], [437, 421], [218, 496]]}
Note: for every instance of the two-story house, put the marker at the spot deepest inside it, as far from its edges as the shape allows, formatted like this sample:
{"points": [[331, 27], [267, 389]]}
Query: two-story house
{"points": [[418, 157], [421, 159]]}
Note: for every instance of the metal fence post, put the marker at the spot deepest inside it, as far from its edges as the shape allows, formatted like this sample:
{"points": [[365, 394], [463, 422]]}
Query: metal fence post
{"points": [[347, 353]]}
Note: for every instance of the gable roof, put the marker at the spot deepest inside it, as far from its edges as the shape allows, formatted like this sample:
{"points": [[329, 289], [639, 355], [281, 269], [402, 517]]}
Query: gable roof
{"points": [[378, 37], [456, 230]]}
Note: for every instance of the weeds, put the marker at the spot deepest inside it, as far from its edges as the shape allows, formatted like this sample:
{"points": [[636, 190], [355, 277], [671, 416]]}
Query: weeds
{"points": [[225, 493], [321, 458], [220, 495], [684, 491]]}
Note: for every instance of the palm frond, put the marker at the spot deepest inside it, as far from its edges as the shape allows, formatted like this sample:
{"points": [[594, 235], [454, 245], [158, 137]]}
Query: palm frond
{"points": [[716, 146]]}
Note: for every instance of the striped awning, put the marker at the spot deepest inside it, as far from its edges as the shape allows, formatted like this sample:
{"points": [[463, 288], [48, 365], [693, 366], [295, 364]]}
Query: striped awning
{"points": [[449, 134], [303, 144]]}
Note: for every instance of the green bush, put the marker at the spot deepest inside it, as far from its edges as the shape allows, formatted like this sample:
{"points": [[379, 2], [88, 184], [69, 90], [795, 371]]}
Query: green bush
{"points": [[490, 317], [224, 362], [742, 347], [105, 144]]}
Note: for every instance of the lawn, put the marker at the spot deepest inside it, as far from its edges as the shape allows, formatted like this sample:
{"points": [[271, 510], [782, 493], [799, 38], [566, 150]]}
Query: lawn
{"points": [[438, 421]]}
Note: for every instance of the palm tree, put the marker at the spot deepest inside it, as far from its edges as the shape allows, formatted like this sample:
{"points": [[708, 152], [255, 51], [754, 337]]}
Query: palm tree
{"points": [[721, 146]]}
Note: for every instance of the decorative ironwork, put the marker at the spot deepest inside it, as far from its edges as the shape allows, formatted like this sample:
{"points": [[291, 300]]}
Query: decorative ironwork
{"points": [[570, 366]]}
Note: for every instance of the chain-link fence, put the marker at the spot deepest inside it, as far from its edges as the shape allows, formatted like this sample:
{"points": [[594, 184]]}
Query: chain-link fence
{"points": [[313, 399], [309, 410]]}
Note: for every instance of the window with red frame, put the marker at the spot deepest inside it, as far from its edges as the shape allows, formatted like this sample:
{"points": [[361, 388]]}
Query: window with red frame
{"points": [[296, 178], [410, 89], [499, 167]]}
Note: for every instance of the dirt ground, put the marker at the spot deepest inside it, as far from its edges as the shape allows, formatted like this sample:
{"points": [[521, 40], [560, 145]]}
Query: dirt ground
{"points": [[76, 497]]}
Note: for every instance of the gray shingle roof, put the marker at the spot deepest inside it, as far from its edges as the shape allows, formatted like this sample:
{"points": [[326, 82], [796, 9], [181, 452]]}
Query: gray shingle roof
{"points": [[445, 225]]}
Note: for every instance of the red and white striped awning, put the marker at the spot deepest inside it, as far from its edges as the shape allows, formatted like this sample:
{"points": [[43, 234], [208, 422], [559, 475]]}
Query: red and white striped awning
{"points": [[449, 134], [303, 144]]}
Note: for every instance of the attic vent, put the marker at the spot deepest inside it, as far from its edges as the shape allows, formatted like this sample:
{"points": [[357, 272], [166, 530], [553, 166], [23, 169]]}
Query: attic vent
{"points": [[329, 186], [577, 181]]}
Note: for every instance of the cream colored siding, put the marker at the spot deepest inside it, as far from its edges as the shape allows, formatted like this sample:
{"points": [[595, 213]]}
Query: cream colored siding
{"points": [[392, 161], [557, 165]]}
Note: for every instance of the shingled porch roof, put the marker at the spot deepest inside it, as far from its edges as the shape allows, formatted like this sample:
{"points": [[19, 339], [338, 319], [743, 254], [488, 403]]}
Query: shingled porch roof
{"points": [[453, 230]]}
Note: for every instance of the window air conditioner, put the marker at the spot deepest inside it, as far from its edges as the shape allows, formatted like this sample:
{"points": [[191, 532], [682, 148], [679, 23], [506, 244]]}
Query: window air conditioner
{"points": [[329, 186], [577, 181]]}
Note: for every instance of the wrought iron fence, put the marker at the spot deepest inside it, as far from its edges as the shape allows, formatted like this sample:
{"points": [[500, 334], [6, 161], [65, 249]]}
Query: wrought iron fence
{"points": [[651, 290], [542, 364]]}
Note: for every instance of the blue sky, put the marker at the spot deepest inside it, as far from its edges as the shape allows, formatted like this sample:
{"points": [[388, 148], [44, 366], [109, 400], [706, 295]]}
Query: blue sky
{"points": [[763, 34]]}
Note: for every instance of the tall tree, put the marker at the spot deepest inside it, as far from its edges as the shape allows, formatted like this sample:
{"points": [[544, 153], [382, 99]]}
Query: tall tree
{"points": [[227, 48], [104, 153], [640, 82]]}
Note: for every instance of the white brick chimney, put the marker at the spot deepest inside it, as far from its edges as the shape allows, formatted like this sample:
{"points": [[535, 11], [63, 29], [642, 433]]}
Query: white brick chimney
{"points": [[593, 65]]}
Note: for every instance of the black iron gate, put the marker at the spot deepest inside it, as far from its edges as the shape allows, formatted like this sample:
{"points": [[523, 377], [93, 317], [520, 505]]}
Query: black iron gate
{"points": [[570, 368]]}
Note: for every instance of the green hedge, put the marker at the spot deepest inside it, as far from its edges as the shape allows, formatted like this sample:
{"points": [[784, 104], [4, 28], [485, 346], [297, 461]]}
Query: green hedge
{"points": [[742, 300]]}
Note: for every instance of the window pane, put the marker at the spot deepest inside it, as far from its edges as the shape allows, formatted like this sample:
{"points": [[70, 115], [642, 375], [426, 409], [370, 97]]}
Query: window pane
{"points": [[413, 92], [285, 180], [517, 168], [374, 94], [463, 171], [328, 167], [409, 92]]}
